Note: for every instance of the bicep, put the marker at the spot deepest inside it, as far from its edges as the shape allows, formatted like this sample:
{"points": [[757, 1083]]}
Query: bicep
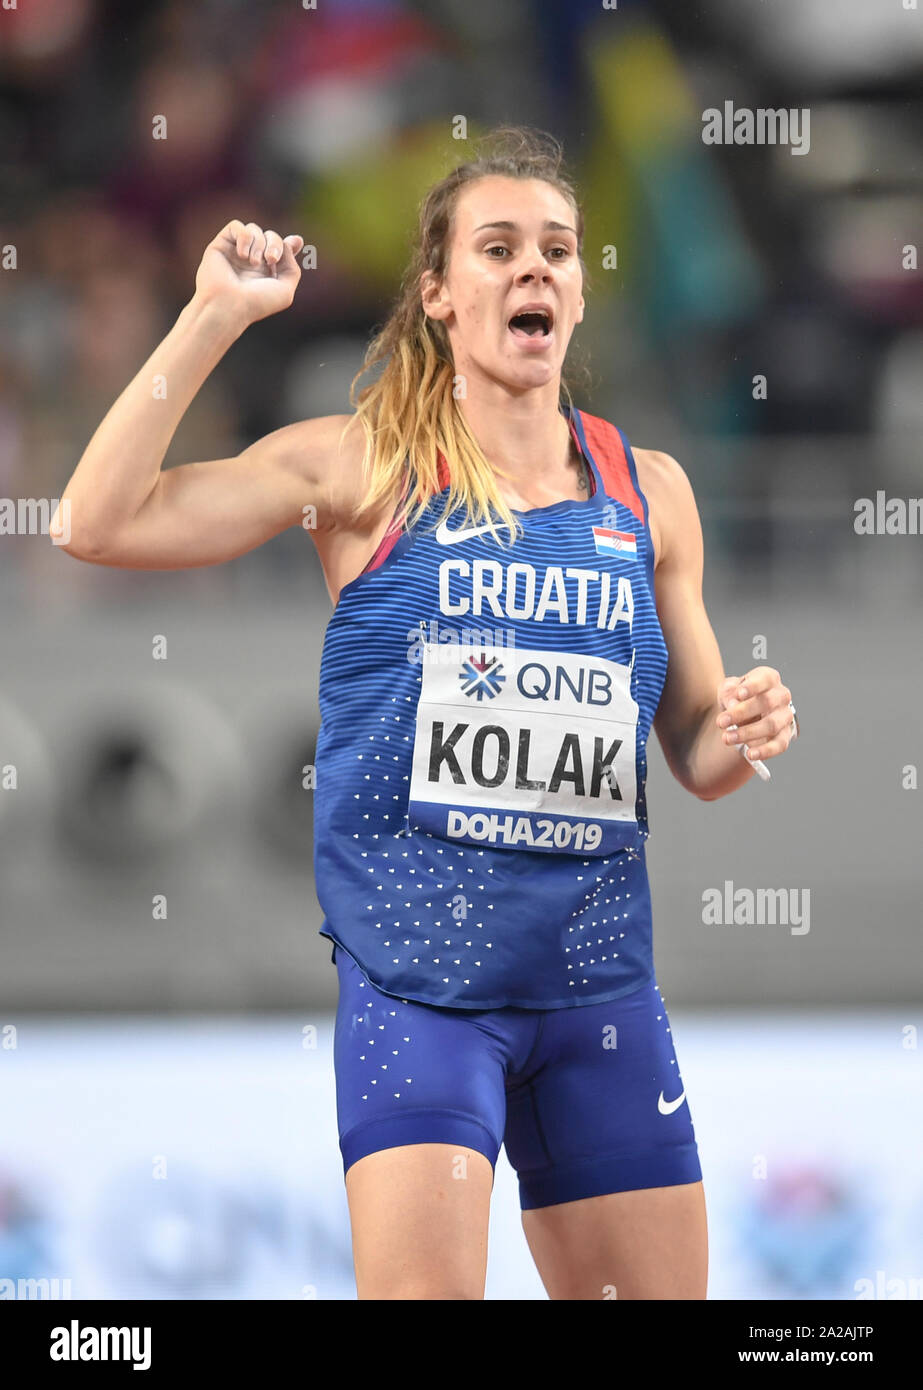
{"points": [[695, 668], [205, 513]]}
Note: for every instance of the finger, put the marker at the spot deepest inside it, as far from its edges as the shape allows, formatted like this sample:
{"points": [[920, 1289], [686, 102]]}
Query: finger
{"points": [[244, 239], [258, 244], [763, 729], [288, 265], [274, 248], [758, 679], [725, 690], [250, 243], [770, 748], [745, 711], [727, 693]]}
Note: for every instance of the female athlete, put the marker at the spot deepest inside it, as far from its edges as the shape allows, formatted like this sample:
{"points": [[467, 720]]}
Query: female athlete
{"points": [[518, 598]]}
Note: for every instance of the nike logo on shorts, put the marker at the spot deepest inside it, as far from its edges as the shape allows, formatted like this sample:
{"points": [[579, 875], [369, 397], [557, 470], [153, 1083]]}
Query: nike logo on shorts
{"points": [[666, 1107]]}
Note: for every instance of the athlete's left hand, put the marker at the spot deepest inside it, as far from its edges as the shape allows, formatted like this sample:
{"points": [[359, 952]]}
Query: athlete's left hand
{"points": [[759, 704]]}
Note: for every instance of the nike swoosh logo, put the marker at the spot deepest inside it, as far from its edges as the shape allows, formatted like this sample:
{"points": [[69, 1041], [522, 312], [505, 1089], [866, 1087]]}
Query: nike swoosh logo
{"points": [[666, 1107], [446, 537]]}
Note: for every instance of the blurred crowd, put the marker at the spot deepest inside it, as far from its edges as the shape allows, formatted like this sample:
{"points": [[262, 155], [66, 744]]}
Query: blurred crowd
{"points": [[731, 262]]}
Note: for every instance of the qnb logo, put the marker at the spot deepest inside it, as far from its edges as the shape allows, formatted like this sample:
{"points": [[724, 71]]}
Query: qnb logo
{"points": [[592, 685], [482, 677]]}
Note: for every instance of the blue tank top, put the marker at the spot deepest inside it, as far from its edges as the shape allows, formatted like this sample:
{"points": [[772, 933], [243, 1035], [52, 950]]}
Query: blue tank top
{"points": [[480, 816]]}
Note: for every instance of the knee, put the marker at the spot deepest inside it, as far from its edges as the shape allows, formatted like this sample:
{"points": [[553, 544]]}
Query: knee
{"points": [[417, 1291]]}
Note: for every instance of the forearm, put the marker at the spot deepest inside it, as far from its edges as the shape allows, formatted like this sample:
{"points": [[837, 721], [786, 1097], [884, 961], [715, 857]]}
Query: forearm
{"points": [[712, 768], [120, 466]]}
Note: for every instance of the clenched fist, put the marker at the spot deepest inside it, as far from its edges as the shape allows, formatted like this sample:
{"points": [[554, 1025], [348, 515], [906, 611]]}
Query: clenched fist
{"points": [[756, 712], [249, 272]]}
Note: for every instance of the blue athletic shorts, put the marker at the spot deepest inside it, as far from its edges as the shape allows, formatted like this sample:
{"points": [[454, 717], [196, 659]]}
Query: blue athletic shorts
{"points": [[587, 1100]]}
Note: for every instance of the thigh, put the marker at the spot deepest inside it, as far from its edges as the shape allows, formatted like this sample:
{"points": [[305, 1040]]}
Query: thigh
{"points": [[648, 1244], [419, 1217], [600, 1134], [421, 1111]]}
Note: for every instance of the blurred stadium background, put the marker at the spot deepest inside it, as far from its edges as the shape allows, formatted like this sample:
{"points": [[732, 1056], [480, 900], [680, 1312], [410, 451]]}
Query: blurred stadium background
{"points": [[201, 1040]]}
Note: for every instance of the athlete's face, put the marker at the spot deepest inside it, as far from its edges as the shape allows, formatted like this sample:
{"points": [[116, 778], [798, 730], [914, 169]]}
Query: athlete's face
{"points": [[514, 246]]}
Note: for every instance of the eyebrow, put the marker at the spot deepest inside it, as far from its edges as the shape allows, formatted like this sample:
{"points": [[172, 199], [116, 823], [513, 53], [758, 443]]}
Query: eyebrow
{"points": [[514, 227]]}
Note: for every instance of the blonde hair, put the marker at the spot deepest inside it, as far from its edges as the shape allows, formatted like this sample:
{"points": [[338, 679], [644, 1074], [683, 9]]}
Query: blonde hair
{"points": [[409, 412]]}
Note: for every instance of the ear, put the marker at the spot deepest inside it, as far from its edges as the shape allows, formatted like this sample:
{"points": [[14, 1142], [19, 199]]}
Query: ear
{"points": [[580, 308], [434, 296]]}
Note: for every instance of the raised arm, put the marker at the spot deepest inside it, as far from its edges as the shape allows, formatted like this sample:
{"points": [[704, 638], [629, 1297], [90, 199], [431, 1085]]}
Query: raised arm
{"points": [[120, 508]]}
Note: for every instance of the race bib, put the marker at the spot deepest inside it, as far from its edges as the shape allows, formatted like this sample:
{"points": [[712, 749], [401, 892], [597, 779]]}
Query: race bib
{"points": [[524, 749]]}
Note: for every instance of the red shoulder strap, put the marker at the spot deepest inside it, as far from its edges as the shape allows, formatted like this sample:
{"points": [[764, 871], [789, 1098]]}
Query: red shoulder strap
{"points": [[605, 444]]}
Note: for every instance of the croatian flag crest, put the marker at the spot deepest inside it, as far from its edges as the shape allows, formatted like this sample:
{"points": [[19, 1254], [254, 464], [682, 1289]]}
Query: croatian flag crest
{"points": [[610, 542]]}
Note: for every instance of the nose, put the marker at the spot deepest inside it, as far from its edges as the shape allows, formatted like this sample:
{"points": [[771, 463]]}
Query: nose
{"points": [[533, 267]]}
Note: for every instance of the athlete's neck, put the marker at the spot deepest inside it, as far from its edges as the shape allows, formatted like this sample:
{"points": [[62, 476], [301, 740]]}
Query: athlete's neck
{"points": [[529, 449]]}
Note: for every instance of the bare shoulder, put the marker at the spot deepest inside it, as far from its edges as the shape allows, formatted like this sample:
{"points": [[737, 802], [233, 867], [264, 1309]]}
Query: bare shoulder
{"points": [[326, 459], [670, 498], [329, 459], [314, 449]]}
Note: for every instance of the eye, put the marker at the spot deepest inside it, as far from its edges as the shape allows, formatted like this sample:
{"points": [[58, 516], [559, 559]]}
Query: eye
{"points": [[557, 252]]}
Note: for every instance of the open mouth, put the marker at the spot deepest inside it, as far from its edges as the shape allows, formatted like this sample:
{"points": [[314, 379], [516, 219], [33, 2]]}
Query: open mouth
{"points": [[534, 324]]}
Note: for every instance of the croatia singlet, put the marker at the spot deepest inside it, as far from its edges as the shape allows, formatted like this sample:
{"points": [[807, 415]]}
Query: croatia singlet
{"points": [[480, 815]]}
